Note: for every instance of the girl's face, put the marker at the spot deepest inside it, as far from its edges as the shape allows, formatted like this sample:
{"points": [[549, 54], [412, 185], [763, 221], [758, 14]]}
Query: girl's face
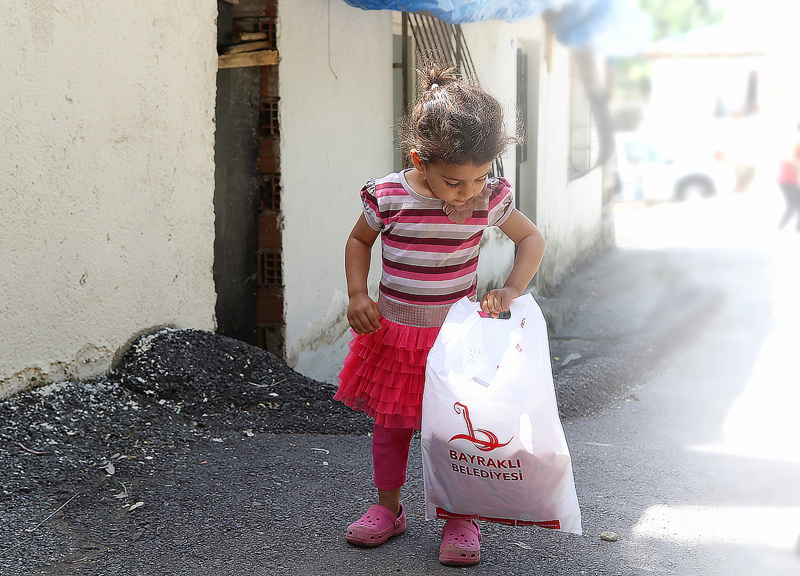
{"points": [[453, 183]]}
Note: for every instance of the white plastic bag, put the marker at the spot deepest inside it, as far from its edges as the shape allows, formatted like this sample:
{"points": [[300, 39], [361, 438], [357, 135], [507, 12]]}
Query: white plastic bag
{"points": [[492, 443]]}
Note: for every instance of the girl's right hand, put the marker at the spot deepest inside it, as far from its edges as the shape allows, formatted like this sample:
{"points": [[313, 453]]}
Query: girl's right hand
{"points": [[363, 314]]}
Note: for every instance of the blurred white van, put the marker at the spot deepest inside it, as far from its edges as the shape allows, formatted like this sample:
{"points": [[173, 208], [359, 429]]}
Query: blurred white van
{"points": [[657, 172]]}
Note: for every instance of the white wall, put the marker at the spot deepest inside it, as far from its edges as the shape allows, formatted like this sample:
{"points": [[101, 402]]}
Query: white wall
{"points": [[493, 49], [336, 127], [106, 201], [337, 132], [686, 89], [569, 213]]}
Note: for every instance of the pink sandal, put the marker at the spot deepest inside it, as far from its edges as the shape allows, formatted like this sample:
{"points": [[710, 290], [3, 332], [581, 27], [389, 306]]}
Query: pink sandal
{"points": [[376, 526], [461, 543]]}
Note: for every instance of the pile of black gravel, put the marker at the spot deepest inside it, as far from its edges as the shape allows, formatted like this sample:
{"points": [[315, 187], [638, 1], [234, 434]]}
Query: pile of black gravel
{"points": [[222, 383], [86, 467], [171, 390]]}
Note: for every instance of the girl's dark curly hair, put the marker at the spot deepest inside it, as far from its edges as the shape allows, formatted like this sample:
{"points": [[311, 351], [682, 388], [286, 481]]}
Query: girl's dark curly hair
{"points": [[454, 120]]}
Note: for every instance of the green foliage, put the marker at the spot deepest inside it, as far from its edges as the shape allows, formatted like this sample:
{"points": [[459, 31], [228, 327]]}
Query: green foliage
{"points": [[671, 17]]}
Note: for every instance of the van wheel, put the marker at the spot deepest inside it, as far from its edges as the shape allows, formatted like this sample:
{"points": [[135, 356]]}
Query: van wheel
{"points": [[694, 187]]}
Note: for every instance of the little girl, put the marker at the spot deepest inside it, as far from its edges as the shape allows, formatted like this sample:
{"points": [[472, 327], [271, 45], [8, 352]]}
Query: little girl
{"points": [[430, 219]]}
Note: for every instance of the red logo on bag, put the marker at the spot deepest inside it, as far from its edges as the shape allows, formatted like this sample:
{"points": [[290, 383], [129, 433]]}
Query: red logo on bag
{"points": [[483, 445]]}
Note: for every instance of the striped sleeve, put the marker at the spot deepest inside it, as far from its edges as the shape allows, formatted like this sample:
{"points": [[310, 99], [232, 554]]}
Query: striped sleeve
{"points": [[501, 202], [369, 202]]}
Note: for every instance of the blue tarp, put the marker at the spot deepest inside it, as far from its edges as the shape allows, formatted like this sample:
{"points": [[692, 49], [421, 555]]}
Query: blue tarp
{"points": [[462, 11], [610, 27]]}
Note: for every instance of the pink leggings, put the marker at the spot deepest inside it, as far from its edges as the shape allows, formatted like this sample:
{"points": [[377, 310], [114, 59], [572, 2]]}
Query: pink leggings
{"points": [[390, 456]]}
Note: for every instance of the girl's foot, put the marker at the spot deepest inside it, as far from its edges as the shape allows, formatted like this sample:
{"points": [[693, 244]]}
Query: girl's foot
{"points": [[376, 526], [461, 543]]}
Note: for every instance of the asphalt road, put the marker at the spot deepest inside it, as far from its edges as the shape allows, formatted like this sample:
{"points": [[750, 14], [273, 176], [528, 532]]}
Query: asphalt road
{"points": [[683, 343], [698, 468], [702, 470]]}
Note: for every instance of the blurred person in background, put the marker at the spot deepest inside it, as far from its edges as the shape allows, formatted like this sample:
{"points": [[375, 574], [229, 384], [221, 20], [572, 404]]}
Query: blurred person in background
{"points": [[789, 182]]}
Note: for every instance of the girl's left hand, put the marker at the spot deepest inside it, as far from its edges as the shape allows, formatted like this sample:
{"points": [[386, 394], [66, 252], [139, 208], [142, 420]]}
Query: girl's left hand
{"points": [[496, 301]]}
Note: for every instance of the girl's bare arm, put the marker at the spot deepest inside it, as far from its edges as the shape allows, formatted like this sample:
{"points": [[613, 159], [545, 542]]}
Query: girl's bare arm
{"points": [[530, 248], [362, 312]]}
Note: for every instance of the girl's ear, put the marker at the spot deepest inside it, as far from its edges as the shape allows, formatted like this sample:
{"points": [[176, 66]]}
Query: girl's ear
{"points": [[417, 161]]}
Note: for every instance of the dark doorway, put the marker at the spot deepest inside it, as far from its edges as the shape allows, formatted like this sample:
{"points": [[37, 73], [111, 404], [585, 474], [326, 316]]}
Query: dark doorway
{"points": [[528, 59], [247, 250]]}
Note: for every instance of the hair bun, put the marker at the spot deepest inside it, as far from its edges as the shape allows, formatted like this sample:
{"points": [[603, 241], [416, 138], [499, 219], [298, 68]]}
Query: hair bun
{"points": [[453, 119], [437, 74]]}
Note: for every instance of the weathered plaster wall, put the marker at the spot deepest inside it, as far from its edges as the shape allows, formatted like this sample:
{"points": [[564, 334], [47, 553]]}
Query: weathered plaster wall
{"points": [[336, 125], [494, 52], [106, 200], [569, 213], [336, 131]]}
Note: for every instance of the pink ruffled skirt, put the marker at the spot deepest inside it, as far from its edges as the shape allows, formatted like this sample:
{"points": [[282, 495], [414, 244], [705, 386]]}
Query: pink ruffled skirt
{"points": [[384, 374]]}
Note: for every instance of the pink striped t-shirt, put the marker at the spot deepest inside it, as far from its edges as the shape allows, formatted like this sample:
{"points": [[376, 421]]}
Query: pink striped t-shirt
{"points": [[428, 260]]}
